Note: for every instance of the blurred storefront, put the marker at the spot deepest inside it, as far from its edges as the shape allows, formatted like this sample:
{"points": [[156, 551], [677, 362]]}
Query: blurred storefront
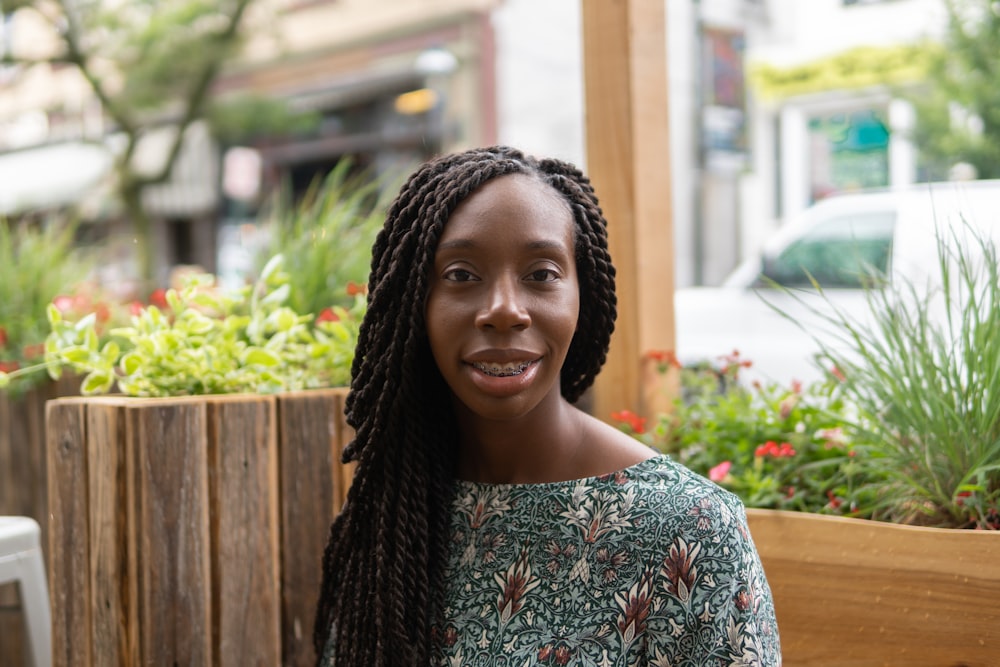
{"points": [[390, 83]]}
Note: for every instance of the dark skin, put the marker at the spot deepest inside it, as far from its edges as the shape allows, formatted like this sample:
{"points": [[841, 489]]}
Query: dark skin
{"points": [[501, 313]]}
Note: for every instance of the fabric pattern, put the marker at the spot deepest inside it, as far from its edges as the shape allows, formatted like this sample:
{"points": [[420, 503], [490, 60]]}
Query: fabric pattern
{"points": [[653, 565]]}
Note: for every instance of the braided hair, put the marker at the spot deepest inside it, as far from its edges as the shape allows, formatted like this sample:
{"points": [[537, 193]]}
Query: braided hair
{"points": [[382, 565]]}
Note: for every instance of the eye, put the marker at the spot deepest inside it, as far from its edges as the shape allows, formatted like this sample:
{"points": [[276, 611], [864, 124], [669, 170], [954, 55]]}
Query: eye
{"points": [[543, 275], [459, 275]]}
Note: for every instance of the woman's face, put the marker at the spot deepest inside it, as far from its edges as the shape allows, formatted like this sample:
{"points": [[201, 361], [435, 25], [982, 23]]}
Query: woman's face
{"points": [[504, 298]]}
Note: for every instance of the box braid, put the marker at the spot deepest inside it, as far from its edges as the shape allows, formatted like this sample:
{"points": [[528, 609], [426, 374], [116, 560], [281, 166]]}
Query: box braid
{"points": [[381, 566]]}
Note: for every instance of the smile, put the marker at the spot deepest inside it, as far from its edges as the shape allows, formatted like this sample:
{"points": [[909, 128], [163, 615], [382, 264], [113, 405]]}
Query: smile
{"points": [[502, 370]]}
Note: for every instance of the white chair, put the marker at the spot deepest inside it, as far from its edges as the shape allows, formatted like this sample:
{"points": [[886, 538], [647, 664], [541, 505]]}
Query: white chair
{"points": [[21, 561]]}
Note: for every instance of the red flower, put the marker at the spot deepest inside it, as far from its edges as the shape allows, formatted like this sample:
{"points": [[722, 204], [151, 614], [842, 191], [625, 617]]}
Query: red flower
{"points": [[354, 289], [135, 307], [327, 315], [664, 358], [837, 373], [8, 366], [835, 502], [562, 654], [771, 448], [634, 421], [3, 338], [103, 312], [159, 298], [545, 652]]}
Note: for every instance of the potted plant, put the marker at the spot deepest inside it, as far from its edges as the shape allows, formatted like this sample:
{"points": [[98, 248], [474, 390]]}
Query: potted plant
{"points": [[190, 508], [873, 494]]}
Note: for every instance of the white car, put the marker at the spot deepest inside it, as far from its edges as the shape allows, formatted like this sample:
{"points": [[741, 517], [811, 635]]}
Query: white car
{"points": [[833, 241]]}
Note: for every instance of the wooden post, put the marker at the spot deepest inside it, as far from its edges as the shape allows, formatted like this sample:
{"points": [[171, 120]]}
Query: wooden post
{"points": [[625, 81]]}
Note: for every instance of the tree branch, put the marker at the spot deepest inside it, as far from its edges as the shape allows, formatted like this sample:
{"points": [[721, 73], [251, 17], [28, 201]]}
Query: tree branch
{"points": [[199, 92]]}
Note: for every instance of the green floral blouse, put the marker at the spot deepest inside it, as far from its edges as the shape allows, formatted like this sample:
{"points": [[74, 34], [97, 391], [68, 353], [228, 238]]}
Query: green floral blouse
{"points": [[653, 565]]}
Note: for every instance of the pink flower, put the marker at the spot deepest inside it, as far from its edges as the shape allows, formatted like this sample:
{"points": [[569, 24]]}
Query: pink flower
{"points": [[719, 472], [63, 303]]}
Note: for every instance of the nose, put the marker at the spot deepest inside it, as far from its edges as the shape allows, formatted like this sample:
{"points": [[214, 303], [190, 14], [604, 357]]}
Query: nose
{"points": [[505, 307]]}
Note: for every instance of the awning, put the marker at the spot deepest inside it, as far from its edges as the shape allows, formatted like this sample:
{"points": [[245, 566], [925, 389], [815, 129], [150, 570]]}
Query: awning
{"points": [[56, 175], [50, 176]]}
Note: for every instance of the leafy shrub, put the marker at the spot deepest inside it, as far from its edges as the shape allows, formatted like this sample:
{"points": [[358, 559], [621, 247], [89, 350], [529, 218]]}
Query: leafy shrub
{"points": [[775, 447], [38, 262], [206, 341]]}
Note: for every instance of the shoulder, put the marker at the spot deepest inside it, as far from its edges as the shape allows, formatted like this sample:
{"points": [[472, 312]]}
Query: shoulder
{"points": [[686, 505]]}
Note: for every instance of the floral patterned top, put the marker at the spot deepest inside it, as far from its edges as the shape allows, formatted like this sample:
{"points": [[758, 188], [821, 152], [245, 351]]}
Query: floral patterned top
{"points": [[653, 565]]}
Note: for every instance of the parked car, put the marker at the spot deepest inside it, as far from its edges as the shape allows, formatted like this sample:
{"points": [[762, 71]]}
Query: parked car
{"points": [[833, 242]]}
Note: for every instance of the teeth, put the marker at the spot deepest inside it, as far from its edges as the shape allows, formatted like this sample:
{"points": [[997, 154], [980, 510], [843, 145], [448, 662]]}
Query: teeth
{"points": [[503, 371]]}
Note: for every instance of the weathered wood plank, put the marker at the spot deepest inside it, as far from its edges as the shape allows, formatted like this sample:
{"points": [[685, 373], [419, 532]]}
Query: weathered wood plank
{"points": [[308, 444], [243, 460], [863, 594], [111, 519], [168, 442], [69, 564]]}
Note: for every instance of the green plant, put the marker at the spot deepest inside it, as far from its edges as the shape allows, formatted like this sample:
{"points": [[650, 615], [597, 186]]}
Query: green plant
{"points": [[209, 342], [924, 377], [775, 447], [326, 238], [38, 262]]}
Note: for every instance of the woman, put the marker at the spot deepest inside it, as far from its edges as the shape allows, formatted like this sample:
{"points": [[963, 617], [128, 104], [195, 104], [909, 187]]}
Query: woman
{"points": [[491, 522]]}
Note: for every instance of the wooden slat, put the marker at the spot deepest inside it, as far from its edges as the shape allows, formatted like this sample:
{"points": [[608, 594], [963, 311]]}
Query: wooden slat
{"points": [[310, 474], [859, 594], [627, 133], [168, 443], [111, 518], [69, 565], [246, 597]]}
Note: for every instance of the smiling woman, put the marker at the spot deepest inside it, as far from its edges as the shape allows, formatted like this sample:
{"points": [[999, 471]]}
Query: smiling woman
{"points": [[491, 521]]}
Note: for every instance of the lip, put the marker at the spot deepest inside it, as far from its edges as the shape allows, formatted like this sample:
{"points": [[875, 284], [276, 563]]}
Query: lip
{"points": [[503, 386]]}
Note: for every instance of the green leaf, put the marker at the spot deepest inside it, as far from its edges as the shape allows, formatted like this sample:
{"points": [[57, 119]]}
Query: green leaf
{"points": [[271, 267], [256, 356], [131, 363], [97, 382]]}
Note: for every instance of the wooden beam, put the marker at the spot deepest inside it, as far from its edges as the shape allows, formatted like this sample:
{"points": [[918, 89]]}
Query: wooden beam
{"points": [[627, 134]]}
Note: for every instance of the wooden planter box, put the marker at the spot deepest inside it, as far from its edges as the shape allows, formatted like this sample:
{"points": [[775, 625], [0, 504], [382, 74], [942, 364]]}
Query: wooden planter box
{"points": [[190, 531], [857, 593], [23, 489]]}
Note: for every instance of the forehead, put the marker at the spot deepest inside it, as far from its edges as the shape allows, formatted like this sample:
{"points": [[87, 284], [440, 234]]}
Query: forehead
{"points": [[516, 203]]}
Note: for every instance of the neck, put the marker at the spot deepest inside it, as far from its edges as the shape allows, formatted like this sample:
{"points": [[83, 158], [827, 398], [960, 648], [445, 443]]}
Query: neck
{"points": [[540, 447]]}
